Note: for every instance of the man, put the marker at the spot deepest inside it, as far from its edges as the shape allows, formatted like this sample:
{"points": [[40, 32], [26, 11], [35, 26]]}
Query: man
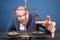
{"points": [[25, 20]]}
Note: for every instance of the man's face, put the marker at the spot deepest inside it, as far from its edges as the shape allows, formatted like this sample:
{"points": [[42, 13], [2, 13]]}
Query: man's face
{"points": [[22, 16]]}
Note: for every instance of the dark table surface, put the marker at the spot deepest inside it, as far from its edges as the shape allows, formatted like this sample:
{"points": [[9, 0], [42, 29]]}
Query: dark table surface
{"points": [[32, 37]]}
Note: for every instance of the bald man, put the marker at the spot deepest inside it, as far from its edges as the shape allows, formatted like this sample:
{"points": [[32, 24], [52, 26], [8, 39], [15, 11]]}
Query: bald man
{"points": [[28, 20]]}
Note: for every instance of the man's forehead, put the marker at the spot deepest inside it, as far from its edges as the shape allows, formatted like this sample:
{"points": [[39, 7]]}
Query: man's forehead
{"points": [[21, 7]]}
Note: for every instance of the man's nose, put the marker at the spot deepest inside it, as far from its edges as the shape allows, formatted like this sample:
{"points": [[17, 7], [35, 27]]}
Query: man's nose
{"points": [[23, 17]]}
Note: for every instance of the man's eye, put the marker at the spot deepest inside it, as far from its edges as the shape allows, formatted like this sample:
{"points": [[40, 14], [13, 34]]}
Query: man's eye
{"points": [[19, 16], [24, 14]]}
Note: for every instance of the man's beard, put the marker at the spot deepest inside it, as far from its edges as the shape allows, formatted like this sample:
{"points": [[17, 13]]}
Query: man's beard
{"points": [[24, 23]]}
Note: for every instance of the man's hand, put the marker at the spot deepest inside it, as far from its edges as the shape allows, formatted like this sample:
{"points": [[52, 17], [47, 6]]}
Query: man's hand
{"points": [[52, 29], [48, 24]]}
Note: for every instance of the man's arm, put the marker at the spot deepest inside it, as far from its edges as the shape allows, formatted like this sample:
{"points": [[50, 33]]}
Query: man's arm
{"points": [[50, 26]]}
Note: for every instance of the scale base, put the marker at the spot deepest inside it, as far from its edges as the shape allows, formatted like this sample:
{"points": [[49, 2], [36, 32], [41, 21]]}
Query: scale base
{"points": [[25, 37]]}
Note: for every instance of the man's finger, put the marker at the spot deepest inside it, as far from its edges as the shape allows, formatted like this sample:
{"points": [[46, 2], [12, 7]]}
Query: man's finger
{"points": [[37, 22]]}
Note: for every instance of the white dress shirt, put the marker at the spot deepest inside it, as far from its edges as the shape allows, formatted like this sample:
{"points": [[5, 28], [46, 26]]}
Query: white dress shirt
{"points": [[22, 27]]}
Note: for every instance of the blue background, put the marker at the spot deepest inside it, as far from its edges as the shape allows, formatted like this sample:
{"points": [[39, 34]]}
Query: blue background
{"points": [[45, 7]]}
